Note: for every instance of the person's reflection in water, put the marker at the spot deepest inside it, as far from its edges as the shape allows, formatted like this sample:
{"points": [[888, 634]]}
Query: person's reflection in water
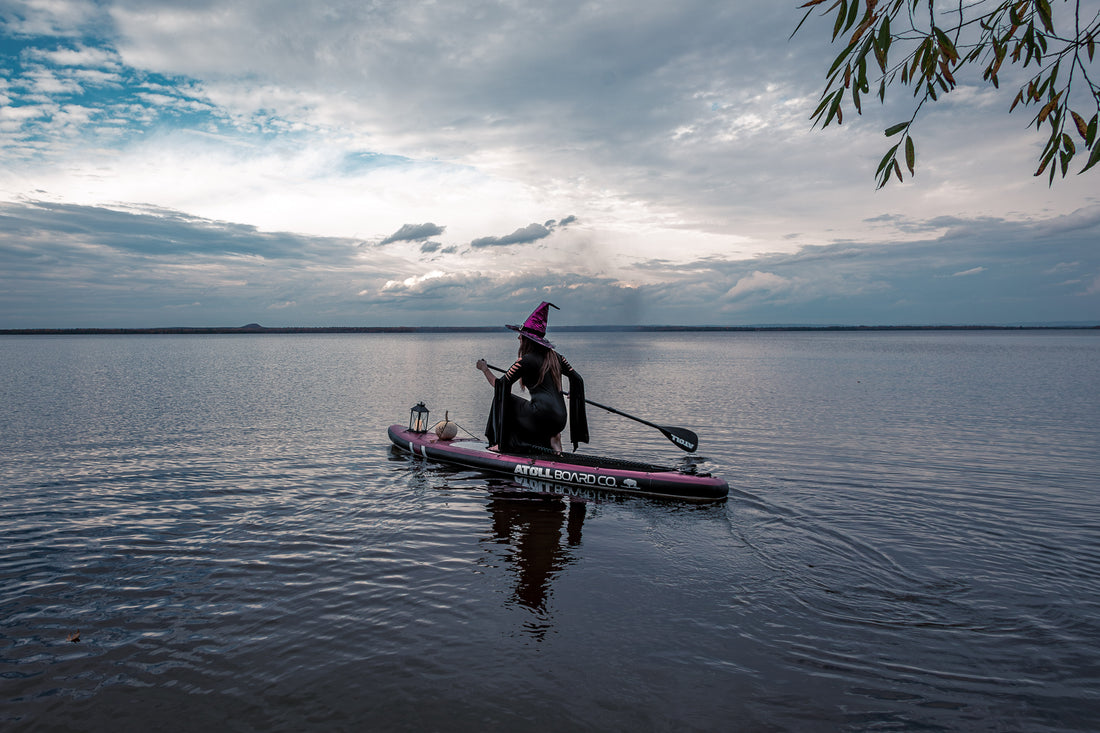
{"points": [[532, 525]]}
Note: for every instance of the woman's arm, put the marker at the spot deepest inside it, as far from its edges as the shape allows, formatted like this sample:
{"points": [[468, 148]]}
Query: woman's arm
{"points": [[483, 367]]}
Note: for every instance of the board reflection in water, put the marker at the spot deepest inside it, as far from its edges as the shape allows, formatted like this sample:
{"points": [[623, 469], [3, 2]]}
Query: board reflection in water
{"points": [[541, 531]]}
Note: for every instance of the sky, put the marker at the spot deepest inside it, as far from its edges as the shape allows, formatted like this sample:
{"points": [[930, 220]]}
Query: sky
{"points": [[456, 162]]}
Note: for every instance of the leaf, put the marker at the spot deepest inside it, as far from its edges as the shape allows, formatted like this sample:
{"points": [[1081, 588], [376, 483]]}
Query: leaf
{"points": [[807, 15], [852, 14], [1090, 136], [1045, 161], [1046, 110], [835, 106], [946, 72], [839, 60], [839, 24], [887, 159], [1045, 15], [1017, 100], [1068, 146], [910, 155], [820, 108], [895, 129], [945, 44], [1082, 126], [1093, 159]]}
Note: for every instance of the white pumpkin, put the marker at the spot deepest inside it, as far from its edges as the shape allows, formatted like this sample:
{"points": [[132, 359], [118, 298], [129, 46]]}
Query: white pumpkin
{"points": [[446, 430]]}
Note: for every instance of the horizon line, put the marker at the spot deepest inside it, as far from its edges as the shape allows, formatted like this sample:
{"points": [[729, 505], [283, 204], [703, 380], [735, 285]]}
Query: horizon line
{"points": [[255, 328]]}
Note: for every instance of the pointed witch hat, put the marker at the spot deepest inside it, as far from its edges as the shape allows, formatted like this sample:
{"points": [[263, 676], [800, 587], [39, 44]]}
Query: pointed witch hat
{"points": [[534, 327]]}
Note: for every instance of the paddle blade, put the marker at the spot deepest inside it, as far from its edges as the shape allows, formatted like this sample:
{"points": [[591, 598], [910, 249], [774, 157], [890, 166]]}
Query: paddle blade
{"points": [[682, 438]]}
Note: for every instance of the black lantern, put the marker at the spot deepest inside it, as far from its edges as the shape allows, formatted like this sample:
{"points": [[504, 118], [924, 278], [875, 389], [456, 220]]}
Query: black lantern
{"points": [[418, 418]]}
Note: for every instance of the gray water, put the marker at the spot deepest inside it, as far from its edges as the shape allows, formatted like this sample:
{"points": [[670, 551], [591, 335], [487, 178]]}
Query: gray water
{"points": [[912, 538]]}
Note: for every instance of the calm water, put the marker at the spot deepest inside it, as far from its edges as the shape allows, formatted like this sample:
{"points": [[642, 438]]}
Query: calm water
{"points": [[912, 540]]}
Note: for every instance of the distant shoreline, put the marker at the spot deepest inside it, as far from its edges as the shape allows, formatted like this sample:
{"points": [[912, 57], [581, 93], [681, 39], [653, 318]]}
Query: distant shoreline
{"points": [[256, 329]]}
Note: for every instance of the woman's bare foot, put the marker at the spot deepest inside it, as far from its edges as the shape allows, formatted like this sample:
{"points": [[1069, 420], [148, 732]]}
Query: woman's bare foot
{"points": [[555, 443]]}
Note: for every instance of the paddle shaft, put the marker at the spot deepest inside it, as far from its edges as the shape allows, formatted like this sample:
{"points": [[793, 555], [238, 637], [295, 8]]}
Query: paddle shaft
{"points": [[682, 438]]}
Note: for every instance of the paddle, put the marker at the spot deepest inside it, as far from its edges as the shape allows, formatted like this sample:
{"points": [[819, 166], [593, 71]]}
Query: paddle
{"points": [[682, 438]]}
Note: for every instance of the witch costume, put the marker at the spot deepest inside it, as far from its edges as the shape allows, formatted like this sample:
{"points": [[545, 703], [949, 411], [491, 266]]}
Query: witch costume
{"points": [[516, 424]]}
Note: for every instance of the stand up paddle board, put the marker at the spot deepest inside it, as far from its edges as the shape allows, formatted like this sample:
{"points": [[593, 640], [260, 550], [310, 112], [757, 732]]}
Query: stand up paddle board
{"points": [[567, 469]]}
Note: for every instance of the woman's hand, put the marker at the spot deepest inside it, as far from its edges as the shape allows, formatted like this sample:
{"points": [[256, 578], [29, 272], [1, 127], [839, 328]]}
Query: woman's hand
{"points": [[483, 367]]}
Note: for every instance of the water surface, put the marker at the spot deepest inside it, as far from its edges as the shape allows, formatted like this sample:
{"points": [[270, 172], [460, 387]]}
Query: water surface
{"points": [[912, 539]]}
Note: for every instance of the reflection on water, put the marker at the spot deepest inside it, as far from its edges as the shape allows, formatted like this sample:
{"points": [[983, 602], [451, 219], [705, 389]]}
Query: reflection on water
{"points": [[532, 525]]}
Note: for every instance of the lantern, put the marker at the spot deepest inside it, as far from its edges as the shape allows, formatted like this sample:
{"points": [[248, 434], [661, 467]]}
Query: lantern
{"points": [[418, 418]]}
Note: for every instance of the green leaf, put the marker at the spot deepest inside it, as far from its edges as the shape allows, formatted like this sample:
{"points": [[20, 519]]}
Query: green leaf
{"points": [[821, 108], [852, 14], [1045, 15], [807, 15], [840, 18], [895, 129], [839, 60], [1093, 159], [910, 155], [887, 159], [1068, 146], [835, 107]]}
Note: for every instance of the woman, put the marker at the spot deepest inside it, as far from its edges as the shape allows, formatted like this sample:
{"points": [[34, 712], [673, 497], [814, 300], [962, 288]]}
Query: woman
{"points": [[515, 422]]}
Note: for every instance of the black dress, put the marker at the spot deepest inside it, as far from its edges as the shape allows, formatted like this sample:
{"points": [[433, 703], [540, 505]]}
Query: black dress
{"points": [[515, 422]]}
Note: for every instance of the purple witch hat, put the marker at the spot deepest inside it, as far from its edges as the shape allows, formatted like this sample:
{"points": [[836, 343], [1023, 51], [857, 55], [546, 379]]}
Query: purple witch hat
{"points": [[534, 327]]}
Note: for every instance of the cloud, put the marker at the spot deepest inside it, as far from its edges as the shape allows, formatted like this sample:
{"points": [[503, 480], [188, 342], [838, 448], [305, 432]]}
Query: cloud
{"points": [[414, 233], [69, 265], [971, 271], [524, 235], [760, 282]]}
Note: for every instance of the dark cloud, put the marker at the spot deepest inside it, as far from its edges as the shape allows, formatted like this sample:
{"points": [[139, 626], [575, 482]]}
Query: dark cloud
{"points": [[154, 231], [526, 235], [414, 233], [530, 233]]}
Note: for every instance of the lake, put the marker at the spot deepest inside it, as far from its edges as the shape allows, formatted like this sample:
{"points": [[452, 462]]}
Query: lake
{"points": [[911, 541]]}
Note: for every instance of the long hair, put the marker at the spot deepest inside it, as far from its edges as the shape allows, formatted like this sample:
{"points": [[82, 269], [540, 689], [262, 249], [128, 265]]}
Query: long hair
{"points": [[550, 363]]}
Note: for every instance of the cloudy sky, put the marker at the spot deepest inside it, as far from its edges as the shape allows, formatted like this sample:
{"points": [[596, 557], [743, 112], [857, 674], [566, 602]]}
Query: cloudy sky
{"points": [[399, 162]]}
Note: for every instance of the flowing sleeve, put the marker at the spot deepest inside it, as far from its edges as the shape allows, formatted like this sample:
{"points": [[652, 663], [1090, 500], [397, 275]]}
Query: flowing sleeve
{"points": [[500, 413], [578, 418]]}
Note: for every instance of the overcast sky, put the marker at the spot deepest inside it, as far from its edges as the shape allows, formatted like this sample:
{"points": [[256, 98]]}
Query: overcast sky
{"points": [[397, 162]]}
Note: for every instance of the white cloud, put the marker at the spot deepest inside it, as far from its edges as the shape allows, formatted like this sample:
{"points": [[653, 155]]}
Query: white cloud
{"points": [[760, 282]]}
